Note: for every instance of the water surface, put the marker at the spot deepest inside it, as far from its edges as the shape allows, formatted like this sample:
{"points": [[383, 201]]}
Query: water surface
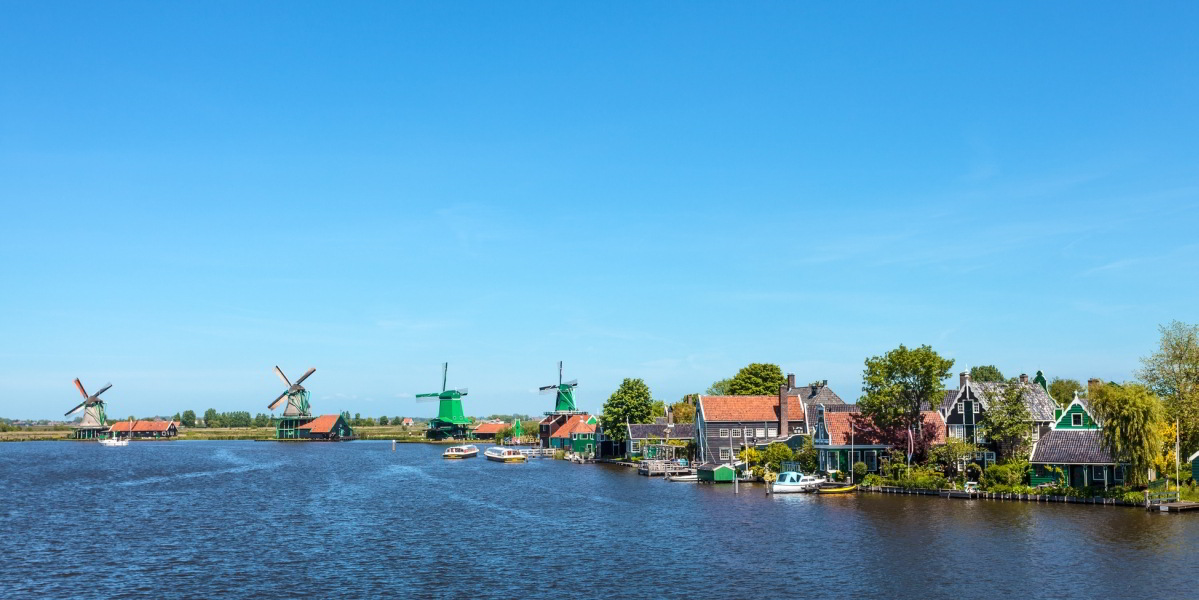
{"points": [[271, 520]]}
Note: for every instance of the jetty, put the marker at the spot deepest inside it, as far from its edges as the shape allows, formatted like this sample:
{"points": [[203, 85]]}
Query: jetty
{"points": [[652, 468], [1168, 502]]}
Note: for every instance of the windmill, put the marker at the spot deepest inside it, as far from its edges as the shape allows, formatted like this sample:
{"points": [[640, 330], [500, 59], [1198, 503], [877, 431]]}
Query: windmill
{"points": [[297, 412], [94, 420], [450, 421], [565, 401]]}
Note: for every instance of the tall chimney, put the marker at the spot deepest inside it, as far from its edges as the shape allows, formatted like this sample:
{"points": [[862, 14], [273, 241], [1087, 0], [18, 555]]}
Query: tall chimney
{"points": [[783, 425], [790, 381], [1024, 378], [963, 379]]}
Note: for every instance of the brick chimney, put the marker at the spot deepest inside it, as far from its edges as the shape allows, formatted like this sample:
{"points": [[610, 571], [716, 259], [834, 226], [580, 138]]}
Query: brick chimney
{"points": [[790, 381], [963, 379], [1024, 378], [783, 389]]}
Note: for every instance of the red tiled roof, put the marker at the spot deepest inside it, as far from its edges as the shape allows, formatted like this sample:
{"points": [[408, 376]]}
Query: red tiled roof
{"points": [[490, 427], [147, 426], [575, 424], [321, 424], [838, 424], [749, 408]]}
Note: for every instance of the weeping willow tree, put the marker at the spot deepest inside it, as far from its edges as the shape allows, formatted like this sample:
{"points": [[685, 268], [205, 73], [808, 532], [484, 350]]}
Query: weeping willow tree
{"points": [[1131, 418]]}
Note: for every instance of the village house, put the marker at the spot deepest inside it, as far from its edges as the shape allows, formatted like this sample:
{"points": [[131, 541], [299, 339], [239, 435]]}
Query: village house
{"points": [[488, 430], [1074, 447], [325, 427], [407, 422], [964, 410], [577, 435], [641, 435], [145, 429], [838, 436], [725, 424]]}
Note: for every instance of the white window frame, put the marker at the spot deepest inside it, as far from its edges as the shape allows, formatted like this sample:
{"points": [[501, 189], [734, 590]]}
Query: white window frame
{"points": [[1036, 431], [736, 433], [961, 408], [761, 432], [957, 431], [636, 446], [773, 432], [1102, 472], [1076, 420], [724, 432], [724, 454]]}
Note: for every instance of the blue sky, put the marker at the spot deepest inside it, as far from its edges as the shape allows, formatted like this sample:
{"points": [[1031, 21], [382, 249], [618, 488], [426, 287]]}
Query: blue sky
{"points": [[195, 192]]}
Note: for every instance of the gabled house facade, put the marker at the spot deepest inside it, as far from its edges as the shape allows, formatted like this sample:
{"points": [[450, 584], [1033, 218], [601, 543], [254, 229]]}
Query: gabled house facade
{"points": [[1074, 447], [640, 436], [577, 435], [839, 437], [726, 424], [964, 410], [145, 429]]}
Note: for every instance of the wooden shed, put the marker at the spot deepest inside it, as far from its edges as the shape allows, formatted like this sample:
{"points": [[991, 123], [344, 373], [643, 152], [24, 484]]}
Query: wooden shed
{"points": [[716, 473]]}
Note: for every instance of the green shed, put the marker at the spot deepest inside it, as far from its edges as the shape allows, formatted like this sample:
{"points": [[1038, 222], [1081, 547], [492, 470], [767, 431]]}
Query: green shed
{"points": [[713, 473], [1194, 466]]}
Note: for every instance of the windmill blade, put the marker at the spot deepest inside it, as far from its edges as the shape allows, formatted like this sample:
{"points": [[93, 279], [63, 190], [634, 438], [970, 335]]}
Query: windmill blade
{"points": [[547, 389], [428, 397], [279, 372], [445, 370], [76, 409], [572, 383], [102, 390], [272, 405], [559, 372], [82, 392], [310, 371], [462, 391]]}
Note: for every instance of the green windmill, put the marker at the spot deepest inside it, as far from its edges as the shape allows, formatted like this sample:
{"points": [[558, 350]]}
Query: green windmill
{"points": [[565, 401], [450, 422]]}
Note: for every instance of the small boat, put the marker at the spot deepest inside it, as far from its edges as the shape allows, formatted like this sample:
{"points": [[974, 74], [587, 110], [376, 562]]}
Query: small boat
{"points": [[836, 488], [790, 482], [504, 455], [688, 478], [460, 452], [113, 441]]}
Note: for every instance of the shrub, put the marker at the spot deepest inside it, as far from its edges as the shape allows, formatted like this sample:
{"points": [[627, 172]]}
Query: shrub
{"points": [[859, 470], [559, 454], [872, 480], [1004, 476]]}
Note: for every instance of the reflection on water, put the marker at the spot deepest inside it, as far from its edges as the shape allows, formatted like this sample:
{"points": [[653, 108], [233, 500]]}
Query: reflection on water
{"points": [[281, 520]]}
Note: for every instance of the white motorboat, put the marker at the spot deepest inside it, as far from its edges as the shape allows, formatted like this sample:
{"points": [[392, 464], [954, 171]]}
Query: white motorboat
{"points": [[113, 441], [790, 482], [685, 478], [468, 451], [504, 455]]}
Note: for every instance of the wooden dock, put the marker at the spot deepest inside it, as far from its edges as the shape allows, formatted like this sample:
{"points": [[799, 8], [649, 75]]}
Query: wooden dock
{"points": [[652, 468], [1168, 502]]}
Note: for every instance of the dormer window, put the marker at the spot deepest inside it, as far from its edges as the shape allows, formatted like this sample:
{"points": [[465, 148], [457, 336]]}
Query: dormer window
{"points": [[1076, 420], [961, 409]]}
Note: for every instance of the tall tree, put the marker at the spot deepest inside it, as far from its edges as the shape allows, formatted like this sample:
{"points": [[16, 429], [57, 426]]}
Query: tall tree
{"points": [[630, 403], [897, 385], [1131, 416], [757, 379], [986, 373], [1172, 372], [211, 418], [1063, 390], [1007, 422], [384, 420], [188, 418], [719, 388], [657, 408], [684, 410]]}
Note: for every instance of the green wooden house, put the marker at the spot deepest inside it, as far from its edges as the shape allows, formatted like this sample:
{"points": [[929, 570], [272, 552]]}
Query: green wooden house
{"points": [[1073, 450], [577, 435]]}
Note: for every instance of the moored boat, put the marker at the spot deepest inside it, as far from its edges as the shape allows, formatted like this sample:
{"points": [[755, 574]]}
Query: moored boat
{"points": [[468, 451], [836, 488], [112, 441], [505, 455], [790, 482], [689, 478]]}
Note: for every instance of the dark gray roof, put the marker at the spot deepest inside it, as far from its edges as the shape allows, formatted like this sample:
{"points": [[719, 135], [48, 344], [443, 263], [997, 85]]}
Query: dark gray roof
{"points": [[810, 394], [641, 431], [1071, 446], [1040, 405], [848, 408]]}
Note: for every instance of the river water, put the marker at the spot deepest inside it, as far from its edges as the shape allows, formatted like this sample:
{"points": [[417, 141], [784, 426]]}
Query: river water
{"points": [[280, 520]]}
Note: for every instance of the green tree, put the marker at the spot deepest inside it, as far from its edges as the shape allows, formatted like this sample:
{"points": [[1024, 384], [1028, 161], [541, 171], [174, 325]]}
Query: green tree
{"points": [[384, 420], [775, 455], [657, 408], [757, 379], [630, 403], [809, 457], [1007, 421], [684, 410], [1172, 372], [898, 384], [188, 418], [211, 418], [986, 373], [1063, 390], [719, 388], [262, 420], [178, 418], [952, 456], [1132, 423]]}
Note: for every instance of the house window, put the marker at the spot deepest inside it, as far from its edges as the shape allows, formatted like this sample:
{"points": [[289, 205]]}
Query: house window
{"points": [[1036, 431], [1076, 420], [761, 432], [724, 454], [872, 460], [957, 431], [1098, 474], [772, 432], [1118, 474], [636, 446], [736, 433], [724, 433], [961, 410]]}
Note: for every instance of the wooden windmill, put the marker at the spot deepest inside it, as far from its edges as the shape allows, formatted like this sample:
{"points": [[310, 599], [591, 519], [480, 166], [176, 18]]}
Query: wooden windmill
{"points": [[298, 412], [450, 421], [565, 401], [94, 420]]}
